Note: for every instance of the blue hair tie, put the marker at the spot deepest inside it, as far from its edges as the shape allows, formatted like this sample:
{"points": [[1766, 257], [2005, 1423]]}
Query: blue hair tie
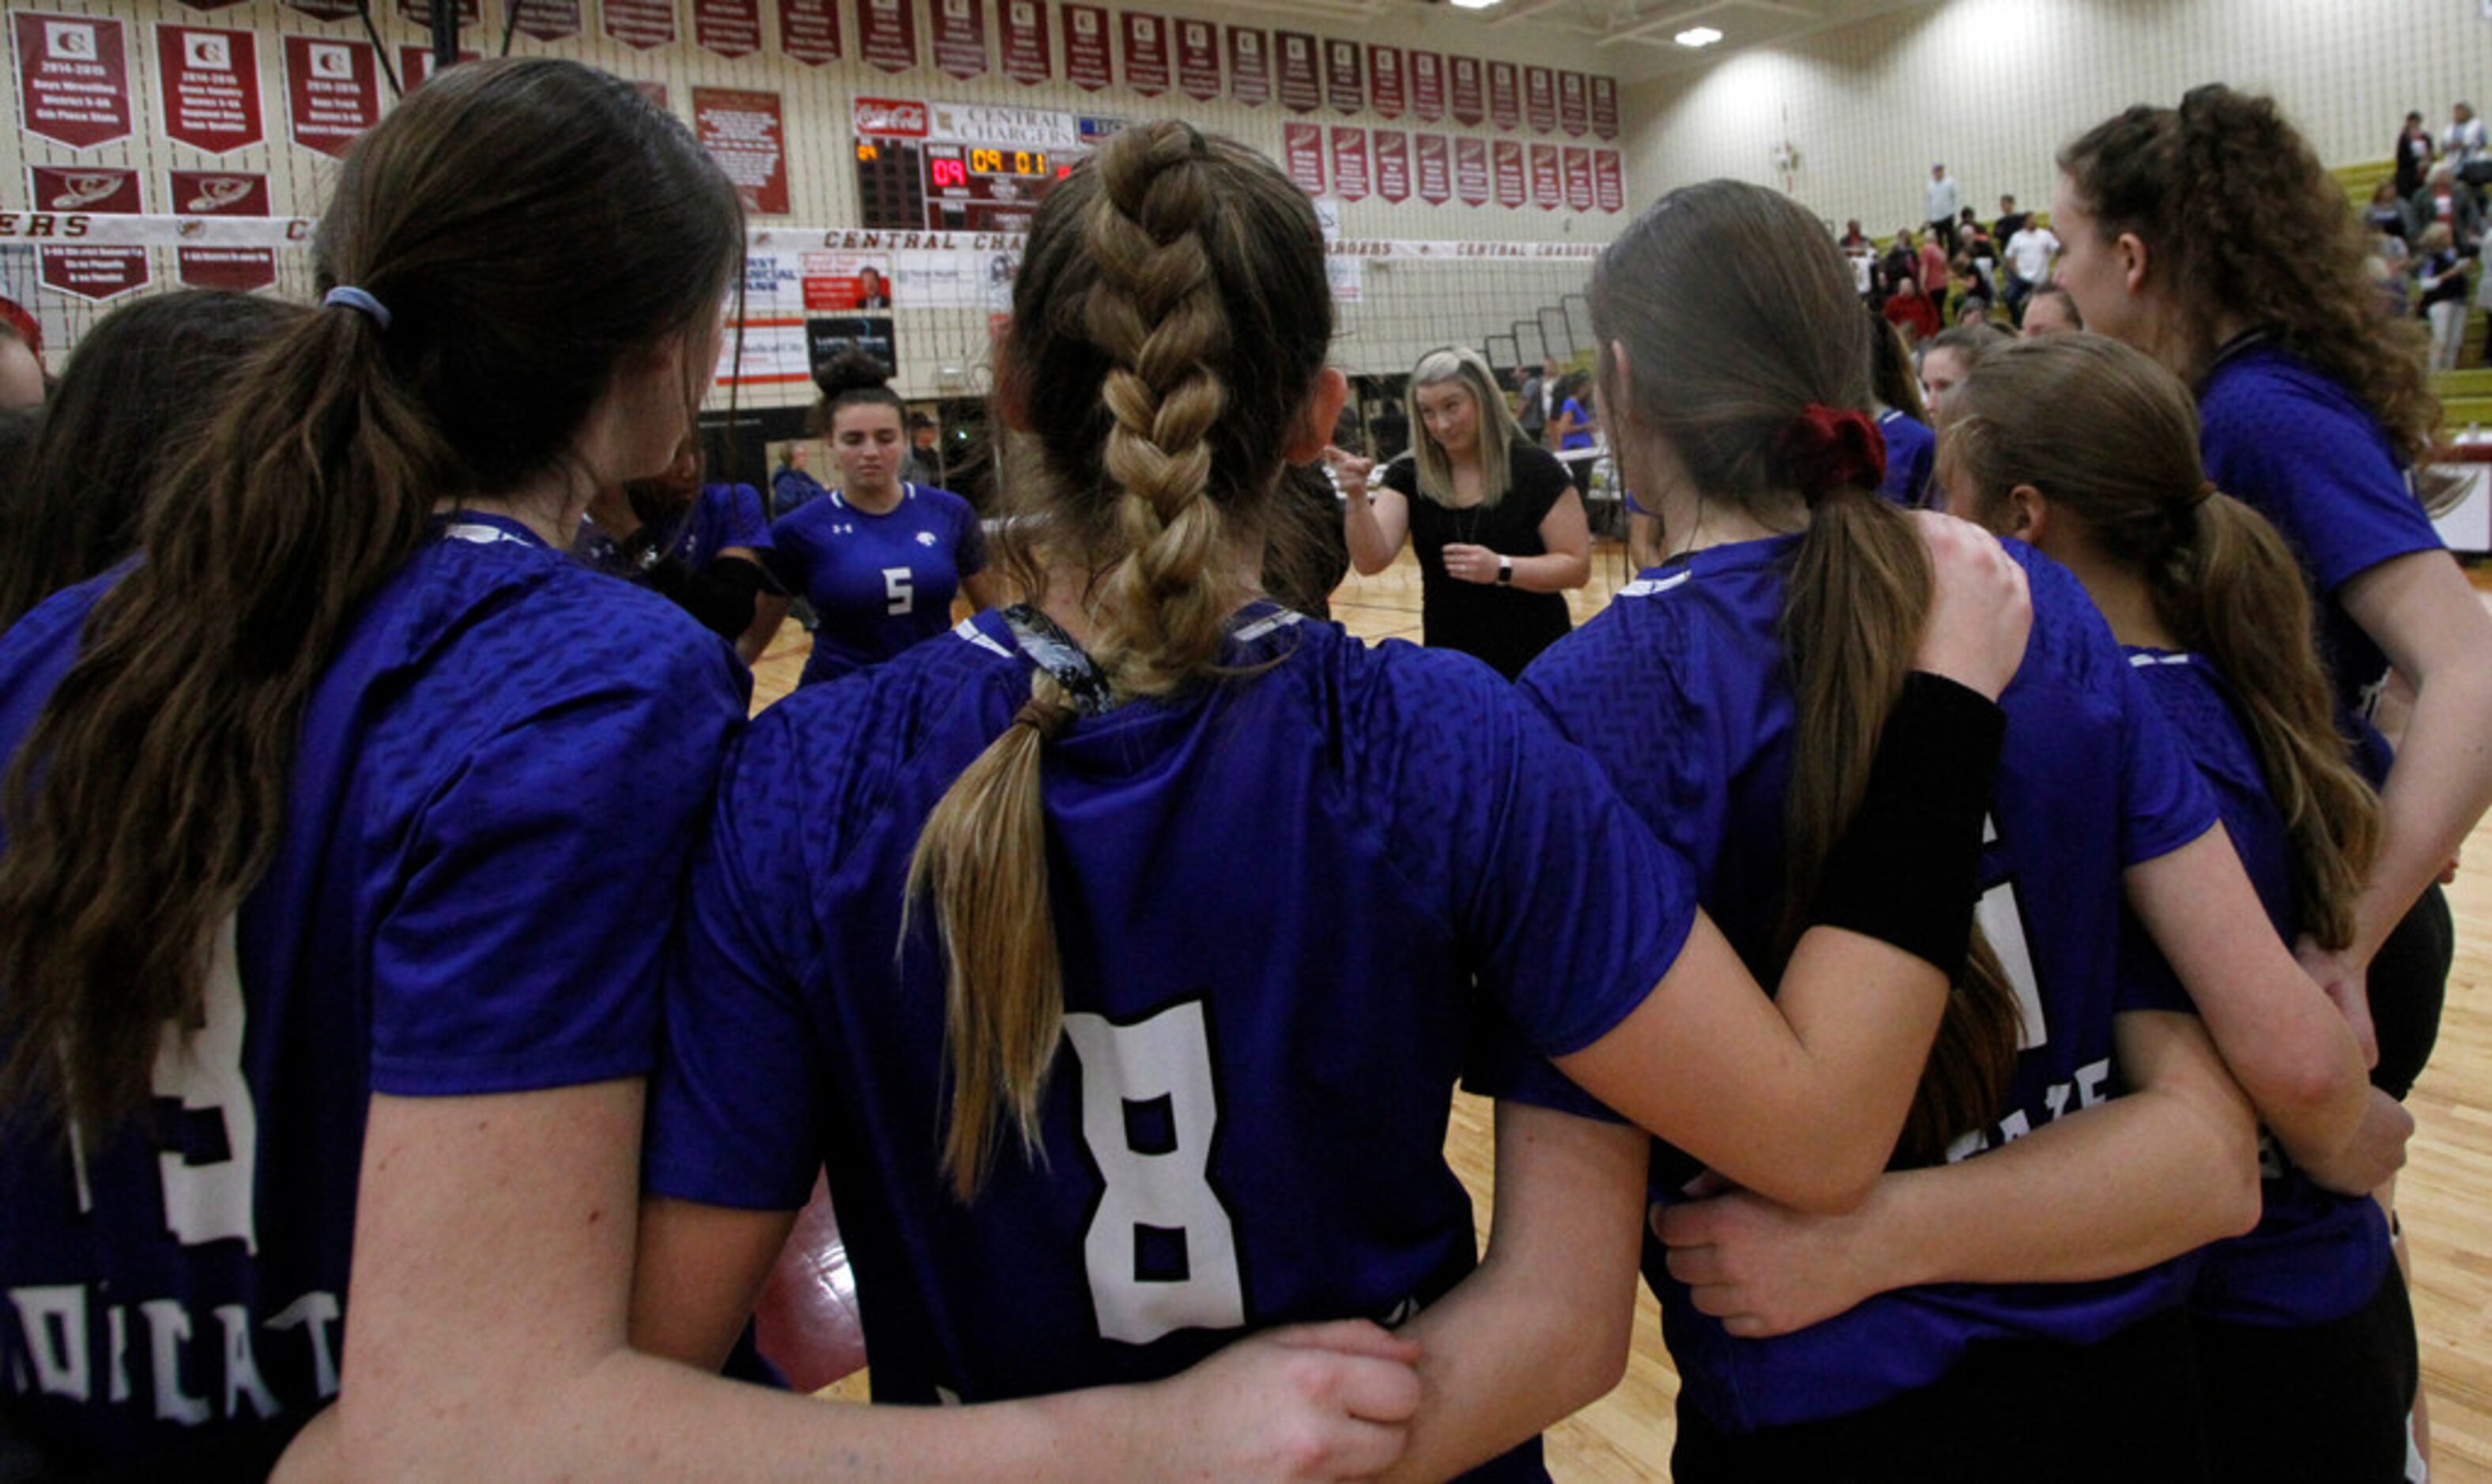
{"points": [[358, 300]]}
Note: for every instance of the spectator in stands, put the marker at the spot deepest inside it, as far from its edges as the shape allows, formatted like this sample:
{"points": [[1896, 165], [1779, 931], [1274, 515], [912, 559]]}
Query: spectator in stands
{"points": [[2413, 156], [1932, 269], [1576, 426], [22, 382], [1949, 360], [1943, 202], [1854, 240], [2446, 201], [2387, 213], [1911, 311], [1968, 290], [2030, 252], [925, 466], [2463, 146], [2010, 220], [1902, 261], [791, 483], [2050, 311], [2440, 272]]}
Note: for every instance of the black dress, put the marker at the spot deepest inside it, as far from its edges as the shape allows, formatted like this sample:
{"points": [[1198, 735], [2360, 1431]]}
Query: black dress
{"points": [[1504, 626]]}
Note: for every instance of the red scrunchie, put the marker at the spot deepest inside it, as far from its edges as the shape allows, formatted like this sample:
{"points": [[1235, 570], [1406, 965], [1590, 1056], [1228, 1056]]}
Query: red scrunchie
{"points": [[1832, 448]]}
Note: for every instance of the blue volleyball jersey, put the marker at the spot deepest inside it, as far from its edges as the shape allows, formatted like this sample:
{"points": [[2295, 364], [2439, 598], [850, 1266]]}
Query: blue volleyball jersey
{"points": [[498, 781], [2315, 1255], [1912, 452], [1281, 901], [2301, 451], [720, 516], [877, 583], [1679, 694]]}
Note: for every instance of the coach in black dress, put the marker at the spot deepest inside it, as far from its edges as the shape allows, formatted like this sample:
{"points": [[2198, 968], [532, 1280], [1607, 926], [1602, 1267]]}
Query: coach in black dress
{"points": [[1496, 521]]}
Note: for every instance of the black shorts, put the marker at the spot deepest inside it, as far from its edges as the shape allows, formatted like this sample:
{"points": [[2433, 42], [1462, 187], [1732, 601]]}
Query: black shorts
{"points": [[2408, 981], [2031, 1410], [2322, 1402]]}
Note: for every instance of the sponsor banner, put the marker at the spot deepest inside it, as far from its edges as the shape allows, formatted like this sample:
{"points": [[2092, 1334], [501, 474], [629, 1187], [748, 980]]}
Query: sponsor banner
{"points": [[1605, 107], [640, 24], [890, 118], [809, 30], [731, 28], [767, 346], [229, 193], [1504, 100], [1350, 163], [1086, 62], [1511, 192], [549, 21], [415, 66], [72, 80], [1393, 165], [1197, 59], [1540, 98], [887, 34], [1465, 90], [1146, 61], [1432, 165], [1344, 82], [1579, 178], [1029, 57], [1608, 181], [1000, 124], [845, 281], [1471, 170], [1302, 152], [207, 86], [1250, 67], [1548, 186], [332, 92], [1347, 279], [1574, 109], [92, 272], [960, 37], [1300, 91], [939, 279], [1427, 86], [744, 131]]}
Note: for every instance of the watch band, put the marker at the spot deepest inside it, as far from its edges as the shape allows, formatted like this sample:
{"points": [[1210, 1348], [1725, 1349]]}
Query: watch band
{"points": [[1505, 572]]}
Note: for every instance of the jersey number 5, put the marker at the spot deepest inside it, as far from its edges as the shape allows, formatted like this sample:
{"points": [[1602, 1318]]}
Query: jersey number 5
{"points": [[1161, 1251], [898, 590]]}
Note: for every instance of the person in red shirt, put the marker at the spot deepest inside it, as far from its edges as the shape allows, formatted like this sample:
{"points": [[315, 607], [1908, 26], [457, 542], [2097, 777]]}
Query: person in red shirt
{"points": [[1911, 311]]}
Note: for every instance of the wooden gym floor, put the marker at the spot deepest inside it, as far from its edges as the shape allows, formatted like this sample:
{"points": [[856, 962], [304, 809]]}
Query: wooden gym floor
{"points": [[2445, 1197]]}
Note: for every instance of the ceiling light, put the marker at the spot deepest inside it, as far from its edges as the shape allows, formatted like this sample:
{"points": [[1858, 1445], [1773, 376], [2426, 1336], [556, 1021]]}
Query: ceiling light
{"points": [[1474, 5], [1693, 36]]}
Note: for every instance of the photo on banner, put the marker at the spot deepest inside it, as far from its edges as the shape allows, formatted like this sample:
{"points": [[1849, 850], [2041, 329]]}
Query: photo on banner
{"points": [[829, 337]]}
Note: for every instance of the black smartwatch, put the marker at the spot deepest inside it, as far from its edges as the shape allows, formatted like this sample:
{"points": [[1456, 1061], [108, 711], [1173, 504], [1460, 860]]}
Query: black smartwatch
{"points": [[1505, 572]]}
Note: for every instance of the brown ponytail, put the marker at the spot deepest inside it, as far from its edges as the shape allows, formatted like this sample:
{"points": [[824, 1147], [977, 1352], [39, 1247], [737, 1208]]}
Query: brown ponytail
{"points": [[528, 225], [2221, 578], [1169, 319], [1748, 275]]}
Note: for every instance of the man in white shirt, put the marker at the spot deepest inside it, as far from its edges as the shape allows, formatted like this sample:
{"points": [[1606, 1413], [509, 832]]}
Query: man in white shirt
{"points": [[2465, 142], [2031, 253], [1943, 205]]}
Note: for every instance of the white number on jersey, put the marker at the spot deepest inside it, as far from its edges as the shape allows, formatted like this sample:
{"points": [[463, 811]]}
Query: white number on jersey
{"points": [[1161, 1251], [2002, 919], [211, 1202], [898, 587]]}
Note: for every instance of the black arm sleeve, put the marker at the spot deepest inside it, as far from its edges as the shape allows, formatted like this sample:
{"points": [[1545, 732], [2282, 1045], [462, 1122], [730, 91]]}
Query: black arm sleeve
{"points": [[720, 596]]}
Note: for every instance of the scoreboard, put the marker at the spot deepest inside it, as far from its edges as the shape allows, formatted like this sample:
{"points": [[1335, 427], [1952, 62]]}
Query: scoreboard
{"points": [[963, 167]]}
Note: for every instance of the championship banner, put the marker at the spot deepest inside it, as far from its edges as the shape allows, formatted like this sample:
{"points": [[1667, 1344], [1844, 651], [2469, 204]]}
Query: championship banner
{"points": [[1350, 163], [1511, 191], [1433, 164], [1392, 164], [1250, 67], [1345, 83], [225, 194], [809, 30], [96, 272], [1471, 170], [323, 9], [643, 25], [548, 21], [1579, 178], [1300, 91], [1146, 63], [1466, 91], [1605, 107], [1608, 181], [1388, 88], [960, 37], [1197, 59], [72, 78], [1574, 114], [731, 28], [207, 87], [744, 131], [1303, 155], [1540, 100], [1028, 59], [419, 11], [887, 34], [1548, 188], [1086, 62], [211, 5], [1504, 102], [1427, 86], [415, 66], [332, 92]]}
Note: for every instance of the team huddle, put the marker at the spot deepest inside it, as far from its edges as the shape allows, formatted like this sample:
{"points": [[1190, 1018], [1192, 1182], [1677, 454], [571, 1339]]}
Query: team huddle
{"points": [[1928, 949]]}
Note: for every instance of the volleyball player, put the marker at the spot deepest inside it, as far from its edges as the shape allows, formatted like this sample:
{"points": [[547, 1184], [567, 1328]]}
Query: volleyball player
{"points": [[1903, 417], [1729, 697], [701, 545], [343, 832], [1190, 898], [879, 558], [2305, 1338]]}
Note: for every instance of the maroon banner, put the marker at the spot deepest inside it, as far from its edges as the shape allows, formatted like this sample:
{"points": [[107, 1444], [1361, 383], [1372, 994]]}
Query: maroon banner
{"points": [[419, 11], [1344, 82], [1302, 152], [731, 28], [1197, 59], [1348, 163], [1250, 67], [1086, 61], [323, 9], [1504, 106], [415, 66], [744, 133], [1605, 107], [887, 34], [1471, 170], [1029, 57], [94, 274], [809, 30], [549, 21], [1146, 61], [207, 87], [1580, 195], [1427, 72], [1608, 181], [1393, 165], [1299, 93], [960, 37], [211, 5], [1540, 98], [1388, 81], [1574, 111], [1434, 168], [73, 80], [1511, 192], [332, 92], [224, 193], [1465, 90], [1548, 186], [642, 25]]}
